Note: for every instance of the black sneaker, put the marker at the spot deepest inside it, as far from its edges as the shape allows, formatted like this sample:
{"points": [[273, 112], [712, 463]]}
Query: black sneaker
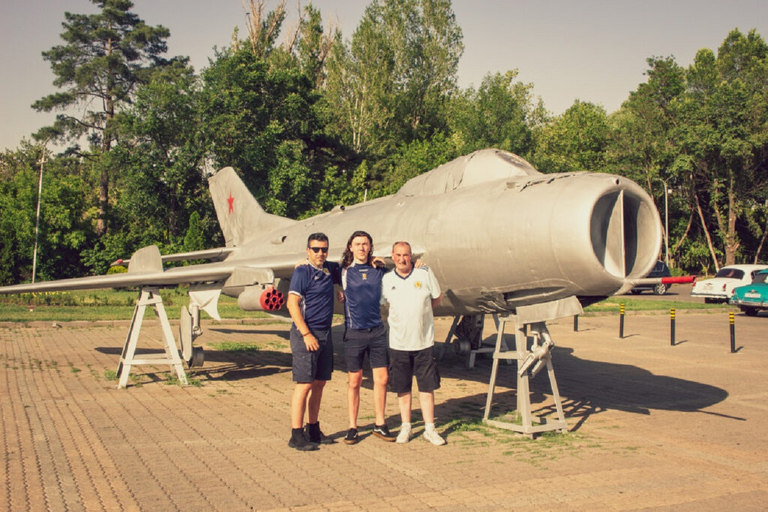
{"points": [[315, 435], [351, 437], [382, 432], [300, 442]]}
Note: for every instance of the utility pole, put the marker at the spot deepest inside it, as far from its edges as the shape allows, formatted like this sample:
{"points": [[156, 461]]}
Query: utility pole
{"points": [[39, 199]]}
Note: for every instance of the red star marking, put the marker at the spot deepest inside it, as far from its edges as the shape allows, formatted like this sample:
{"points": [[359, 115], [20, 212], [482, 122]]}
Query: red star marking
{"points": [[231, 201]]}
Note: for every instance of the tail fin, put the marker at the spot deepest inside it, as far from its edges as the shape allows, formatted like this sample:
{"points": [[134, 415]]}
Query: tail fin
{"points": [[240, 215]]}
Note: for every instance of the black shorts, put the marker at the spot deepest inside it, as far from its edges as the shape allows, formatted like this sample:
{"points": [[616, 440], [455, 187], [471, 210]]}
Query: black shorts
{"points": [[311, 366], [358, 342], [405, 365]]}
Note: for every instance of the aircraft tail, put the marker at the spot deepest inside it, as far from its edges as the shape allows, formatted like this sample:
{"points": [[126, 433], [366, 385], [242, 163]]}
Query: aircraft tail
{"points": [[240, 215]]}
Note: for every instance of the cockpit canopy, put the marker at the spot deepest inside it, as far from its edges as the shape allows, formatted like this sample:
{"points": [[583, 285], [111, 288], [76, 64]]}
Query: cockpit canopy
{"points": [[478, 167]]}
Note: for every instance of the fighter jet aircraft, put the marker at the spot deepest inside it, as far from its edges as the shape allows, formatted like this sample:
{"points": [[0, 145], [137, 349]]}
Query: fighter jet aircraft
{"points": [[498, 234]]}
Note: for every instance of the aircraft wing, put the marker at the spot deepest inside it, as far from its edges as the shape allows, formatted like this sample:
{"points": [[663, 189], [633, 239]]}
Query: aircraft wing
{"points": [[146, 269], [170, 277], [217, 254]]}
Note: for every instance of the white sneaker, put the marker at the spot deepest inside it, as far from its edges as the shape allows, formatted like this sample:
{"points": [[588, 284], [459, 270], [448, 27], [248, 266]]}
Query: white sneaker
{"points": [[433, 437], [405, 434]]}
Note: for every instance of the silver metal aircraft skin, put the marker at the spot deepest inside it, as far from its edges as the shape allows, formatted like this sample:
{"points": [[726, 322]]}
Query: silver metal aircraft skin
{"points": [[497, 233]]}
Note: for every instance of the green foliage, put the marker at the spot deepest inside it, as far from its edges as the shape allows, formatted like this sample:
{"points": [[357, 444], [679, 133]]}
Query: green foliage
{"points": [[266, 123], [498, 114], [389, 84], [575, 141], [64, 227]]}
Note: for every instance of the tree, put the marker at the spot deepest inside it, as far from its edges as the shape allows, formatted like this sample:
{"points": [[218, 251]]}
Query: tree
{"points": [[389, 84], [161, 152], [725, 138], [268, 122], [65, 227], [644, 145], [574, 141], [499, 114], [105, 56]]}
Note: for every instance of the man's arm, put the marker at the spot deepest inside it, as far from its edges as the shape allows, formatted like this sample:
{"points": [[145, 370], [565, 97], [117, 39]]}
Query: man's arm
{"points": [[294, 308], [435, 287]]}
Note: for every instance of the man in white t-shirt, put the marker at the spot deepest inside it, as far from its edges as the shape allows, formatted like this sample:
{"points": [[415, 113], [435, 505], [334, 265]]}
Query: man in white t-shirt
{"points": [[411, 294]]}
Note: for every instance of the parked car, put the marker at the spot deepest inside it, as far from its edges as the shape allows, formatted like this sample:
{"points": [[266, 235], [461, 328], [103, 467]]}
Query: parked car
{"points": [[720, 288], [753, 297], [659, 270]]}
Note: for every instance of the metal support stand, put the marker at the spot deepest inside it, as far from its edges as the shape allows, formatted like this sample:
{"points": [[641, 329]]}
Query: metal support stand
{"points": [[149, 297], [529, 363]]}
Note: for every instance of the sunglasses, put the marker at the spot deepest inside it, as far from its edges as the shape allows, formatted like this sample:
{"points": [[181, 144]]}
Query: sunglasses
{"points": [[318, 249]]}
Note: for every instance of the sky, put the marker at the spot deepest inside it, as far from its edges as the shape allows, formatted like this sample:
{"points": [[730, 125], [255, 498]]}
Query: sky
{"points": [[587, 50]]}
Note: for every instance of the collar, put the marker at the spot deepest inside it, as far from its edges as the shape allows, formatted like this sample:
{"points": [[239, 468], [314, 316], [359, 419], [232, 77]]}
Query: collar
{"points": [[405, 276], [314, 267]]}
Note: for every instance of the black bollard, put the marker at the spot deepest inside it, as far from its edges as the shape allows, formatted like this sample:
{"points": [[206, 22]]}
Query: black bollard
{"points": [[672, 327], [733, 332], [621, 321], [575, 323]]}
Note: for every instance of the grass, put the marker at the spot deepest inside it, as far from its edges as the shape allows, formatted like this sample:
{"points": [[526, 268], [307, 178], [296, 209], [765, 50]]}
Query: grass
{"points": [[90, 305], [237, 347], [612, 305]]}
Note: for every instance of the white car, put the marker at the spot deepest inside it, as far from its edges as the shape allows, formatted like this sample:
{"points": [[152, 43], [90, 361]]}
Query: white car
{"points": [[720, 288]]}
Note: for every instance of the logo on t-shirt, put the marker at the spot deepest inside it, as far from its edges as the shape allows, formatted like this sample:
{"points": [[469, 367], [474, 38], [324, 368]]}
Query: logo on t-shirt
{"points": [[365, 276], [417, 284]]}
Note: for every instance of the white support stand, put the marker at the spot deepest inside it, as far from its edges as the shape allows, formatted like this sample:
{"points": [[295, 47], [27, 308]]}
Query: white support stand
{"points": [[529, 362], [149, 297], [530, 425]]}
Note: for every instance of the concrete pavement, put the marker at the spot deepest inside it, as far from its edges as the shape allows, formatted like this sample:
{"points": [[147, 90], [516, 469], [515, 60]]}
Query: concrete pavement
{"points": [[651, 426]]}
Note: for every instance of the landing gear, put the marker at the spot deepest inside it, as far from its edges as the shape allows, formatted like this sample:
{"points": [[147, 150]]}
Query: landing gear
{"points": [[189, 329], [198, 357], [468, 330]]}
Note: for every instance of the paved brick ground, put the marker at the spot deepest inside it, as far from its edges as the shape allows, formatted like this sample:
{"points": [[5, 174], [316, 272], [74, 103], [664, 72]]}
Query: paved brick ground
{"points": [[651, 426]]}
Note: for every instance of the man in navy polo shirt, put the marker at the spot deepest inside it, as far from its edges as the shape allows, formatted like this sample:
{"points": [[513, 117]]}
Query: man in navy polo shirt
{"points": [[310, 303]]}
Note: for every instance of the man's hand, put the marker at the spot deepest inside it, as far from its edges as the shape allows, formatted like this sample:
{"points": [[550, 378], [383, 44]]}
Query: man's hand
{"points": [[340, 296], [311, 342]]}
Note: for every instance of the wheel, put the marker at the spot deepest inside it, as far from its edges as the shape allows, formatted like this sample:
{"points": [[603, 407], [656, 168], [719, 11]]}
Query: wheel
{"points": [[636, 292], [750, 311], [198, 357], [461, 347], [660, 289]]}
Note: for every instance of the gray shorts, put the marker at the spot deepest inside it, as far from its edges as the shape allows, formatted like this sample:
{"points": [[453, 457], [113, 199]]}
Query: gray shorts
{"points": [[311, 366]]}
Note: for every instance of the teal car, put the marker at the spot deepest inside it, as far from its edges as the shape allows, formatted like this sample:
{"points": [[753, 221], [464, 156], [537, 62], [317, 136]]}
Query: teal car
{"points": [[752, 297]]}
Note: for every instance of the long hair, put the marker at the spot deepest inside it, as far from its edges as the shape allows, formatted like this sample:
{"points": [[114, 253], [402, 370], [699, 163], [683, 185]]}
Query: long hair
{"points": [[347, 258]]}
